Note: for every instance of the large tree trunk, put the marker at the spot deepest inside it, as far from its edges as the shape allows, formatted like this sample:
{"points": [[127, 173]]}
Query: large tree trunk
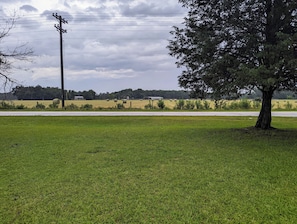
{"points": [[264, 119]]}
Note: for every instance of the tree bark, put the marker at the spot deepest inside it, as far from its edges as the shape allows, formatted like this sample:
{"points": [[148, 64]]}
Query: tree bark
{"points": [[264, 119]]}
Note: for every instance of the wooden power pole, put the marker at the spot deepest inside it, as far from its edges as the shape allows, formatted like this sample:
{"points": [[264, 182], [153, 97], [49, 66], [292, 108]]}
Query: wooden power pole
{"points": [[61, 31]]}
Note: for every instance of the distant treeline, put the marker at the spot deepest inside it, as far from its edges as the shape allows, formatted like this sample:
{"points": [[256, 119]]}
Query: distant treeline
{"points": [[49, 93]]}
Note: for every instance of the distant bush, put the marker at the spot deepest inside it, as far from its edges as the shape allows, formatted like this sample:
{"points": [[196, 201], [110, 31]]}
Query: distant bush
{"points": [[220, 104], [206, 105], [40, 106], [288, 106], [161, 104], [199, 105], [86, 107], [120, 106], [5, 105], [244, 104], [149, 106], [20, 107], [180, 104], [72, 107], [190, 105], [256, 104]]}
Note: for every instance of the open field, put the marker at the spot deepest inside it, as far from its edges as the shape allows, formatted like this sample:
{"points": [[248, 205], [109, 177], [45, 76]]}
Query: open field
{"points": [[147, 170], [169, 104]]}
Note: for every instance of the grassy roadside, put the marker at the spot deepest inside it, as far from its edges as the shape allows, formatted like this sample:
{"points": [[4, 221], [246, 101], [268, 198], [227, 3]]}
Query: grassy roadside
{"points": [[147, 170], [226, 105]]}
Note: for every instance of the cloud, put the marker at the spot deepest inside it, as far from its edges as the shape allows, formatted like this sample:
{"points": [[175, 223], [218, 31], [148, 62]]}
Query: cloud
{"points": [[146, 9], [109, 45], [28, 8]]}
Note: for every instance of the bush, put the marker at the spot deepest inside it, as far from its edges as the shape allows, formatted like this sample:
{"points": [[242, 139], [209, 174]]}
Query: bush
{"points": [[189, 105], [180, 104], [55, 103], [72, 107], [199, 105], [256, 104], [206, 105], [20, 107], [161, 104], [86, 107], [288, 106], [149, 106], [120, 106], [220, 104], [40, 106], [5, 105], [244, 104]]}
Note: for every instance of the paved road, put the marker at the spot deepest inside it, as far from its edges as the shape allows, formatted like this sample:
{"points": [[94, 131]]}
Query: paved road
{"points": [[138, 113]]}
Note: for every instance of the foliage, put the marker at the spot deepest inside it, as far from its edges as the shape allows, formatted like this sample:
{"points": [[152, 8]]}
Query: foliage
{"points": [[120, 106], [71, 107], [86, 107], [49, 93], [232, 47], [8, 57], [190, 105], [147, 170], [180, 104], [288, 106], [161, 104], [55, 104], [5, 105], [40, 106]]}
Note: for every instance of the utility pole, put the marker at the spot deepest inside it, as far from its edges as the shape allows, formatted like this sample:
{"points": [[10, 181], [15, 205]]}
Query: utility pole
{"points": [[61, 31]]}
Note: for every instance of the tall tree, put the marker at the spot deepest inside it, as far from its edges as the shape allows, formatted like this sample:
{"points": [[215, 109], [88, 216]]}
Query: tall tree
{"points": [[10, 56], [230, 47]]}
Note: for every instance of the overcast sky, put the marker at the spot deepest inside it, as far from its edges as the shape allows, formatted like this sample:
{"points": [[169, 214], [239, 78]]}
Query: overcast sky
{"points": [[110, 45]]}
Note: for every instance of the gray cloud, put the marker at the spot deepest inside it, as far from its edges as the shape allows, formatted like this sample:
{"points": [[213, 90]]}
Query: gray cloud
{"points": [[49, 15], [108, 46], [149, 9], [28, 8]]}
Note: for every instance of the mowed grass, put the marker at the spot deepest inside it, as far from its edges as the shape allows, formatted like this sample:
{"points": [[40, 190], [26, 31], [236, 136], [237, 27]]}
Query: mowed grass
{"points": [[147, 170]]}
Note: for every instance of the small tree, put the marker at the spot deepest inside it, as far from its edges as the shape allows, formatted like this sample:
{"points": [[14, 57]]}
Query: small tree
{"points": [[8, 57], [161, 104]]}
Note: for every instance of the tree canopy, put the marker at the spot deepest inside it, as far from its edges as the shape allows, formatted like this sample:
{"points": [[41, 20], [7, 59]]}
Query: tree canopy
{"points": [[230, 47]]}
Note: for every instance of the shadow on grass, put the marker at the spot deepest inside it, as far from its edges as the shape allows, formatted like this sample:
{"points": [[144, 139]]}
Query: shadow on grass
{"points": [[273, 132]]}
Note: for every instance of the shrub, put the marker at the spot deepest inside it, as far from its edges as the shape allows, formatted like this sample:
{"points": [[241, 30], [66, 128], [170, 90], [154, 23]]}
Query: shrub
{"points": [[244, 104], [148, 106], [199, 105], [220, 104], [161, 104], [120, 106], [257, 104], [72, 107], [40, 106], [180, 104], [189, 105], [206, 105], [86, 107], [288, 106], [5, 105], [20, 107]]}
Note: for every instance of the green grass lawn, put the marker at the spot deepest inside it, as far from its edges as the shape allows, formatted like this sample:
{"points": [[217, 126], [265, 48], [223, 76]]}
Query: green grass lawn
{"points": [[147, 170]]}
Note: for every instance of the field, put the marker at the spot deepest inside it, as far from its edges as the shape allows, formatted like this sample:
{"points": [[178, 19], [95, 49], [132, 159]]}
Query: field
{"points": [[147, 170], [169, 104]]}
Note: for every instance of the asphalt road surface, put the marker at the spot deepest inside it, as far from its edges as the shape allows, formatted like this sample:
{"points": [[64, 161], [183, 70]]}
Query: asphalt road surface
{"points": [[140, 113]]}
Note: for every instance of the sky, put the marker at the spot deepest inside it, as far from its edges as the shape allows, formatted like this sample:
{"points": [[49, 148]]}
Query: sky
{"points": [[110, 45]]}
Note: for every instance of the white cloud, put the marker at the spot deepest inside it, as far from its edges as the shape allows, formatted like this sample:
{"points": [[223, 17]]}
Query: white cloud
{"points": [[117, 44]]}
